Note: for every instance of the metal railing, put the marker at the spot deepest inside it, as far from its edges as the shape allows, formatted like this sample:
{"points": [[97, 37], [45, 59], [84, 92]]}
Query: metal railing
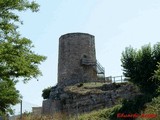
{"points": [[116, 79], [96, 65], [100, 69]]}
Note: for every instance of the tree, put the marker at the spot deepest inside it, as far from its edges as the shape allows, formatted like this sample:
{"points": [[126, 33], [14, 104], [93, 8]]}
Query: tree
{"points": [[140, 66], [8, 96], [157, 76], [17, 60]]}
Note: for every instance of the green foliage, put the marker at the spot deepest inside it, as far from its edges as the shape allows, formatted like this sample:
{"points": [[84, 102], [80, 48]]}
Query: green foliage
{"points": [[140, 66], [9, 18], [46, 93], [144, 70], [103, 114], [17, 60], [153, 108], [157, 72], [8, 96], [133, 106], [157, 76]]}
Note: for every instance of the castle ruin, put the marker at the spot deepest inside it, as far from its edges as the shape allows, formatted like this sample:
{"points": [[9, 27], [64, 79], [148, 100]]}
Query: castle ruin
{"points": [[77, 59], [77, 64]]}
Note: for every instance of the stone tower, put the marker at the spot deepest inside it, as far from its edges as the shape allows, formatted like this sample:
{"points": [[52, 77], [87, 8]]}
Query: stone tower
{"points": [[77, 59]]}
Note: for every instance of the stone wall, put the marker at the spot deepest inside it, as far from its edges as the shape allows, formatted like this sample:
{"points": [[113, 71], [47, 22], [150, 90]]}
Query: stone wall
{"points": [[51, 106], [106, 96], [36, 110], [72, 48], [76, 100]]}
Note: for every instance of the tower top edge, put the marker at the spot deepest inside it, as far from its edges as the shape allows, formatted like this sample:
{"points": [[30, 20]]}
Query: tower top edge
{"points": [[75, 34]]}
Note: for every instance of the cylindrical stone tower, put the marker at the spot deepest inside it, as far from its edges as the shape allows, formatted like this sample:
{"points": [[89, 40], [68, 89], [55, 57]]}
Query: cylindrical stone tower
{"points": [[77, 59]]}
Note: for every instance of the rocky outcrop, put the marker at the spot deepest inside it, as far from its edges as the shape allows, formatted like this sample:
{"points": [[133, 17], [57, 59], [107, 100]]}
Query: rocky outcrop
{"points": [[79, 99]]}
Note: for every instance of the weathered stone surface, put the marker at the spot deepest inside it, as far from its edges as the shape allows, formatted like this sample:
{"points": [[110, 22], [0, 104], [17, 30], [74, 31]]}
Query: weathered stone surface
{"points": [[36, 110], [108, 95], [73, 48], [51, 106]]}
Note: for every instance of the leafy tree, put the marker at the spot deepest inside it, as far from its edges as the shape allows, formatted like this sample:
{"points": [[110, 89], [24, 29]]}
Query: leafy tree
{"points": [[46, 93], [157, 76], [157, 72], [140, 66], [8, 96], [17, 60], [16, 57]]}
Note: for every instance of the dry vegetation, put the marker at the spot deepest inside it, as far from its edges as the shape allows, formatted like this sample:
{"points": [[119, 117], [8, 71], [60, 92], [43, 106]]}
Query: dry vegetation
{"points": [[85, 88], [56, 116]]}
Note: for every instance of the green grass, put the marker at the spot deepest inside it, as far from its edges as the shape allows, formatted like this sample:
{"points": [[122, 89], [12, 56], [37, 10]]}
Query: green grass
{"points": [[103, 114]]}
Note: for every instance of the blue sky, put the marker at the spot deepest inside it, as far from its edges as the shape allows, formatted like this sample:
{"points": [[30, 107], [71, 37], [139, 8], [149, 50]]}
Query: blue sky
{"points": [[115, 24]]}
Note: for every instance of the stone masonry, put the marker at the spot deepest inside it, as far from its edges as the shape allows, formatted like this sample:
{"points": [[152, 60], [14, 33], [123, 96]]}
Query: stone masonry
{"points": [[74, 48], [78, 99]]}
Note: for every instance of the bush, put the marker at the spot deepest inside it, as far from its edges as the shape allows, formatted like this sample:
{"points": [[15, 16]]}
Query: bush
{"points": [[140, 66], [153, 108], [46, 93], [103, 114]]}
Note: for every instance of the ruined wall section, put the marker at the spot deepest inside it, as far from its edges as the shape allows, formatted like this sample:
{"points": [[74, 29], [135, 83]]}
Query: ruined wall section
{"points": [[110, 96], [89, 99], [51, 107], [72, 48]]}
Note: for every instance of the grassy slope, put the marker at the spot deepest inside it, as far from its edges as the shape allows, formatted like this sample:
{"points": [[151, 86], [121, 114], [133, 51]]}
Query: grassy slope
{"points": [[103, 114], [151, 108]]}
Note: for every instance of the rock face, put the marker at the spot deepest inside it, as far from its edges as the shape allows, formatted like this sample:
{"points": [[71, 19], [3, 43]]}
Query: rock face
{"points": [[76, 59], [76, 100]]}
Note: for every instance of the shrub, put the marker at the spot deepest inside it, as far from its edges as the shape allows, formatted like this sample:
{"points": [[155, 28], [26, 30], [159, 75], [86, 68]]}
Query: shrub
{"points": [[46, 93], [140, 66], [153, 108]]}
